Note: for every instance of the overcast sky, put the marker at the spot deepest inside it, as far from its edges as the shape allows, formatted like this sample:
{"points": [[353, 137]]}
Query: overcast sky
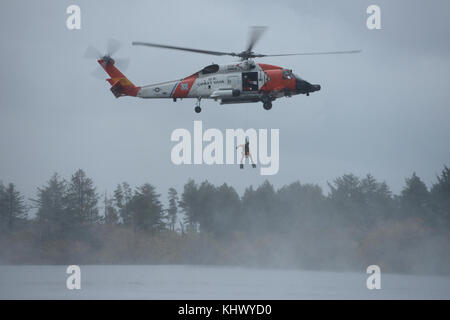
{"points": [[384, 111]]}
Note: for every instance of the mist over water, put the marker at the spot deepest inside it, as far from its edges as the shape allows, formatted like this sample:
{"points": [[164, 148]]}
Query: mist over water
{"points": [[200, 282]]}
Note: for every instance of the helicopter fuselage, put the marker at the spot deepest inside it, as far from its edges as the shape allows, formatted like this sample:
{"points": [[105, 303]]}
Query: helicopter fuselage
{"points": [[232, 83], [243, 82]]}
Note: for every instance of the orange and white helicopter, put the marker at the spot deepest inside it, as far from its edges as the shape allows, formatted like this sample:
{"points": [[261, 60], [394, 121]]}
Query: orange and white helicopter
{"points": [[242, 82]]}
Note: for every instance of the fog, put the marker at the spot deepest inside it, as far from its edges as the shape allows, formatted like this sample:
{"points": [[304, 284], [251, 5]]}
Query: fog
{"points": [[210, 283], [360, 222]]}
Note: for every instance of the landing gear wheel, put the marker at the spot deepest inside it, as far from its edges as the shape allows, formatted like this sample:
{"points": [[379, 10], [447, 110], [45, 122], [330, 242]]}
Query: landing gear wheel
{"points": [[197, 105], [267, 105]]}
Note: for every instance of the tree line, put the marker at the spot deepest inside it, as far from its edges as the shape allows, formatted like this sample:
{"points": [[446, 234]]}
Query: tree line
{"points": [[357, 223]]}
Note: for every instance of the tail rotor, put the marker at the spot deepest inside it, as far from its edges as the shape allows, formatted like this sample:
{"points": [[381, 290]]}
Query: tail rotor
{"points": [[112, 47]]}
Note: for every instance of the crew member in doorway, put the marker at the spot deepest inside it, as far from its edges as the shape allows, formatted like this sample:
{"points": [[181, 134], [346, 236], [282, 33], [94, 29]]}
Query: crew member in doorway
{"points": [[246, 152]]}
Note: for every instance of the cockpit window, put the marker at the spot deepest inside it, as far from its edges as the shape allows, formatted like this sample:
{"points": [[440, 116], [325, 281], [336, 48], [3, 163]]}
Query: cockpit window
{"points": [[287, 74], [210, 69]]}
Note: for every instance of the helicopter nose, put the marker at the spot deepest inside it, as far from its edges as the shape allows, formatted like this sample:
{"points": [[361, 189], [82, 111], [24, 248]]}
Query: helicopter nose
{"points": [[305, 87], [301, 85]]}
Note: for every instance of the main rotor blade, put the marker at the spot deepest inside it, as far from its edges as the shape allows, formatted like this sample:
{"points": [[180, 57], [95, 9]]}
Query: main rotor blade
{"points": [[216, 53], [255, 35], [112, 46], [306, 53]]}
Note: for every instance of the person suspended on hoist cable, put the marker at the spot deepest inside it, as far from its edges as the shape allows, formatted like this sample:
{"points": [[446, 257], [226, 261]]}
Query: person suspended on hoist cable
{"points": [[246, 152]]}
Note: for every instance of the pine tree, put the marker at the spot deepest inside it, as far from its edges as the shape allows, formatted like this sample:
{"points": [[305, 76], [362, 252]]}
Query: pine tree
{"points": [[81, 200], [415, 198], [111, 216], [226, 210], [3, 208], [360, 203], [173, 208], [122, 200], [146, 210], [51, 213], [378, 201], [13, 210], [206, 194], [440, 193], [260, 209], [191, 205], [300, 205]]}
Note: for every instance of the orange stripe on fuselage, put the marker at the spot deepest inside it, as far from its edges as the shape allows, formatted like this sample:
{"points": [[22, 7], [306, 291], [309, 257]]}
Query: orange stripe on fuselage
{"points": [[184, 86]]}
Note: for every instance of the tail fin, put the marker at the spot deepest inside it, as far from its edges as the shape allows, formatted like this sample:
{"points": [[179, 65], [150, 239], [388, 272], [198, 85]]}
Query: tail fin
{"points": [[120, 85]]}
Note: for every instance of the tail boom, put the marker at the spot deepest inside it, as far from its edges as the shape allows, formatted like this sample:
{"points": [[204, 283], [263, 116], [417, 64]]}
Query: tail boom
{"points": [[120, 85]]}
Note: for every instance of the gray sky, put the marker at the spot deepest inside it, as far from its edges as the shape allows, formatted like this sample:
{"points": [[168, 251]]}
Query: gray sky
{"points": [[385, 111]]}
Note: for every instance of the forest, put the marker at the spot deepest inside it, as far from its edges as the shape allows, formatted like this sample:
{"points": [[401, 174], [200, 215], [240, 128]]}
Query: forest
{"points": [[357, 222]]}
